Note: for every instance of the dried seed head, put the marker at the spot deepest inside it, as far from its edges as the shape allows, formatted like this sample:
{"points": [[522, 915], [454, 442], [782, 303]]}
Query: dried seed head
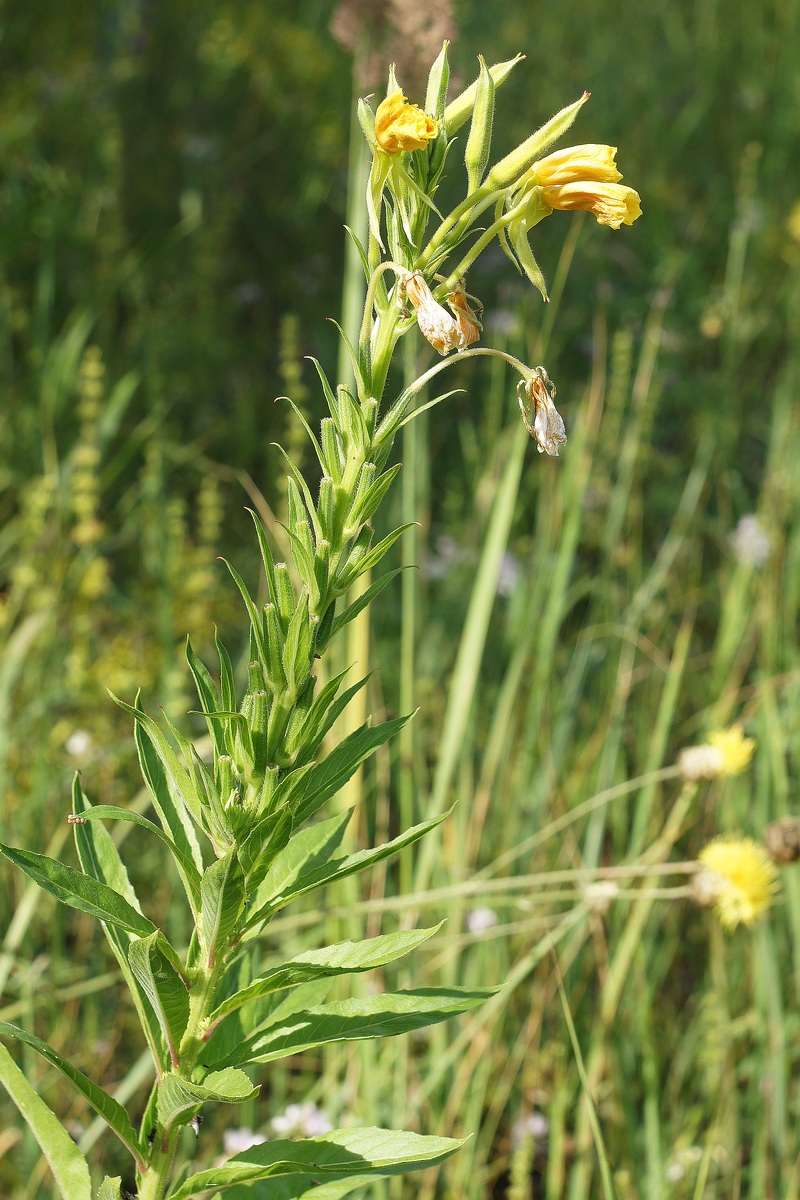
{"points": [[782, 839]]}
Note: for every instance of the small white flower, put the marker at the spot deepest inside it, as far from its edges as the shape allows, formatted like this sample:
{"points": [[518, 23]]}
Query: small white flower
{"points": [[535, 1125], [301, 1120], [599, 894], [509, 574], [78, 744], [236, 1141], [481, 919], [674, 1171], [750, 542]]}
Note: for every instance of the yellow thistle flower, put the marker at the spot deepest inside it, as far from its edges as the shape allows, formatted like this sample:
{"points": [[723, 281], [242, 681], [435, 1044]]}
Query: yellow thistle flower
{"points": [[577, 164], [612, 203], [727, 752], [402, 126], [739, 879], [735, 748]]}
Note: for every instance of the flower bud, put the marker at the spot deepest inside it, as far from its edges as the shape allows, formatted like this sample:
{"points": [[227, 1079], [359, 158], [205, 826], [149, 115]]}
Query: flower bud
{"points": [[514, 165], [479, 142], [782, 839], [459, 110], [400, 126]]}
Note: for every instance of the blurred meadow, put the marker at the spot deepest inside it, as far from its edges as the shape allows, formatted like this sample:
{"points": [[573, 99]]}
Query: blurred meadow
{"points": [[173, 190]]}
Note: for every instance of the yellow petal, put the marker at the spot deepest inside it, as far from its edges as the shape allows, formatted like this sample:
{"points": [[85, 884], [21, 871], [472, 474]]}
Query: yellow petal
{"points": [[612, 203], [402, 126], [577, 163]]}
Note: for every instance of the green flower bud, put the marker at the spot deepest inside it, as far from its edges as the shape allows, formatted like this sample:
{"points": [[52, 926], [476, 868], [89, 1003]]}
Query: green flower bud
{"points": [[459, 110], [510, 168], [480, 134]]}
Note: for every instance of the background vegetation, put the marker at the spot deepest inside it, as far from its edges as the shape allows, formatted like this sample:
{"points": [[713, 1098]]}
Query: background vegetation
{"points": [[174, 184]]}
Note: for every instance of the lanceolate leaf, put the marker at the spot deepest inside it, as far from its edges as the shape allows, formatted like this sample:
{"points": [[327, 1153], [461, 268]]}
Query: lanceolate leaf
{"points": [[78, 890], [309, 849], [108, 1108], [363, 600], [342, 1153], [384, 1015], [292, 1187], [340, 868], [329, 776], [168, 803], [222, 901], [163, 987], [341, 959], [69, 1167], [179, 1099]]}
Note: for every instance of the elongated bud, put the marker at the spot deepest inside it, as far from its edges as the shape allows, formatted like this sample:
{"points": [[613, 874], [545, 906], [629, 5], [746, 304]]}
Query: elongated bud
{"points": [[459, 110], [438, 79], [325, 506], [479, 141], [510, 168], [331, 448], [258, 731], [284, 598]]}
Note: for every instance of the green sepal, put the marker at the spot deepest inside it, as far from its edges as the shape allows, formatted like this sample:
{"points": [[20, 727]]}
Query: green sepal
{"points": [[104, 1105], [179, 1100], [438, 81], [362, 558], [111, 1188]]}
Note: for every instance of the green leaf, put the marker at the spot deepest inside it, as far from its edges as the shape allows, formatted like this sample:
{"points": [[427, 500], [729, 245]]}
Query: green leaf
{"points": [[163, 987], [108, 812], [169, 804], [329, 776], [110, 1189], [308, 850], [179, 1099], [78, 890], [385, 1015], [340, 868], [342, 1153], [208, 696], [363, 600], [263, 844], [222, 891], [106, 1106], [351, 571], [344, 958], [69, 1167], [292, 1187]]}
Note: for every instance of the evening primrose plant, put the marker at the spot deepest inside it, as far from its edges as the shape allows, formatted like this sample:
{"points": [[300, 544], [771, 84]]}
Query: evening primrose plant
{"points": [[239, 813]]}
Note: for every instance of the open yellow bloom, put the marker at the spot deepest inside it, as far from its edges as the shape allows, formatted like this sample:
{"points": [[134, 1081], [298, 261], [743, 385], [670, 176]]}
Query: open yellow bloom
{"points": [[612, 203], [739, 879], [727, 752], [402, 126], [575, 164]]}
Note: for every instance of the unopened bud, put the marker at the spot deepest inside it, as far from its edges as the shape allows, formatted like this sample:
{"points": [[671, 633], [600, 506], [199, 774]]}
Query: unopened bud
{"points": [[515, 164], [459, 110], [479, 141]]}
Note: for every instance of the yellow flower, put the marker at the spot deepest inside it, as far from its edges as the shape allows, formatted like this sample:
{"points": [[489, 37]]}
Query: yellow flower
{"points": [[575, 164], [736, 749], [402, 126], [435, 322], [727, 752], [612, 203], [739, 879]]}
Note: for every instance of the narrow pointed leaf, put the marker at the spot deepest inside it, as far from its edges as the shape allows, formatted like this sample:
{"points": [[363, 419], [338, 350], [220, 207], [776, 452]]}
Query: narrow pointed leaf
{"points": [[163, 987], [69, 1167], [106, 1106], [344, 958], [329, 776], [108, 812], [307, 851], [222, 891], [366, 597], [342, 1153], [168, 803]]}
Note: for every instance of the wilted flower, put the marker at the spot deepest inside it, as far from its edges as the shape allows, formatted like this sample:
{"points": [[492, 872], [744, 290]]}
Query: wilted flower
{"points": [[542, 420], [402, 126], [481, 919], [613, 204], [577, 163], [435, 322], [302, 1120], [750, 541], [727, 752], [739, 879], [466, 318]]}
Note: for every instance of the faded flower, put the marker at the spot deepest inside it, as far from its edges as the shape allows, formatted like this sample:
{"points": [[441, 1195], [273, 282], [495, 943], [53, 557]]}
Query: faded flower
{"points": [[542, 419], [481, 919], [402, 126], [613, 204], [435, 322], [750, 541], [466, 318]]}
